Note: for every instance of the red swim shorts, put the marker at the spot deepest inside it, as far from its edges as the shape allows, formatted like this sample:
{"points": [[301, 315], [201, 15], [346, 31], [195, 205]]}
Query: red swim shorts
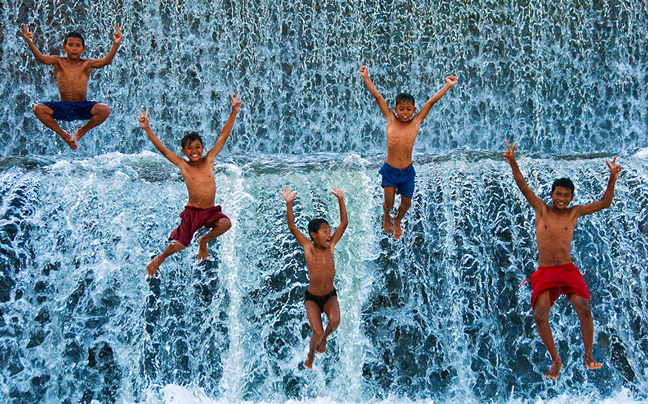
{"points": [[192, 220], [558, 280]]}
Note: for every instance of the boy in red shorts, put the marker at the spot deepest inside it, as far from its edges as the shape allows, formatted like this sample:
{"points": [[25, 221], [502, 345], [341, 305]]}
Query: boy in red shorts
{"points": [[556, 273], [198, 174]]}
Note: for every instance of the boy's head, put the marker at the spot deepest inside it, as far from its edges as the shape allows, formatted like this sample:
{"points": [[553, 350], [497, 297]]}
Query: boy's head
{"points": [[73, 34], [405, 107], [192, 146], [74, 44], [562, 192], [320, 232]]}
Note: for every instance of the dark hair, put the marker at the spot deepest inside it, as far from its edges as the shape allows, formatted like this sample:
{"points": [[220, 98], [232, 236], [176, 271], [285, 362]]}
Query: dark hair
{"points": [[563, 182], [74, 34], [190, 137], [404, 97], [315, 224]]}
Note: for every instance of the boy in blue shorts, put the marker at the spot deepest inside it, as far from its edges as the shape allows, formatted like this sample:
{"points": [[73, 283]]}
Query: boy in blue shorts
{"points": [[402, 128], [72, 74]]}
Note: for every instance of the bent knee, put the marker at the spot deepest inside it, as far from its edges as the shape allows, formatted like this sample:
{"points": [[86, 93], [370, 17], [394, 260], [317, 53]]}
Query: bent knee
{"points": [[42, 109], [540, 315], [334, 321], [101, 110], [224, 223]]}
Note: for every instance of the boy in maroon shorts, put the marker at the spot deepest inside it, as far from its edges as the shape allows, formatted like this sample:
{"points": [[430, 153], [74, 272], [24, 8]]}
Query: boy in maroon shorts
{"points": [[556, 273], [198, 174]]}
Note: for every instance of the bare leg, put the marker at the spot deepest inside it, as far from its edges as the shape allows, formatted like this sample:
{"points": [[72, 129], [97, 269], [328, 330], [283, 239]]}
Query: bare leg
{"points": [[402, 209], [541, 317], [45, 115], [100, 113], [582, 307], [172, 248], [222, 225], [390, 193], [332, 311], [315, 320]]}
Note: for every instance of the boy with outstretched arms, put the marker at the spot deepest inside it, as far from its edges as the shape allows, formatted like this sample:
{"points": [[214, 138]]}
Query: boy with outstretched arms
{"points": [[72, 74], [556, 274], [321, 296], [402, 128], [198, 174]]}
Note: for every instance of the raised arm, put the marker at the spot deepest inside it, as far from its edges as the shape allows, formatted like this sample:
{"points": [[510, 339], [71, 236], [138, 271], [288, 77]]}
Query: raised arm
{"points": [[29, 37], [101, 62], [535, 202], [290, 217], [344, 221], [606, 201], [423, 113], [384, 108], [144, 123], [227, 129]]}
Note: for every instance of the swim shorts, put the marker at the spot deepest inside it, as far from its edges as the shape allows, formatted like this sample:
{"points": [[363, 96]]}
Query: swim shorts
{"points": [[402, 180], [192, 220], [71, 111], [319, 300], [558, 280]]}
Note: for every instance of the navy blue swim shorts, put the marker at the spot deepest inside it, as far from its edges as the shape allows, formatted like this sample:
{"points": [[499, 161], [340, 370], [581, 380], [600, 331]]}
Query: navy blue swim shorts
{"points": [[71, 111], [402, 180]]}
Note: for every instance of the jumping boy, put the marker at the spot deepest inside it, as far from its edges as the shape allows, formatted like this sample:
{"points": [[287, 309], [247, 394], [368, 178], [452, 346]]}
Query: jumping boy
{"points": [[556, 274], [198, 174], [72, 74], [321, 296], [402, 128]]}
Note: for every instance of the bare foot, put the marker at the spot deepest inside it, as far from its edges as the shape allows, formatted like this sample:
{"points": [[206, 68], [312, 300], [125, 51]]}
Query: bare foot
{"points": [[398, 232], [590, 363], [153, 266], [202, 249], [387, 226], [308, 363], [70, 142], [321, 348], [554, 371], [78, 134]]}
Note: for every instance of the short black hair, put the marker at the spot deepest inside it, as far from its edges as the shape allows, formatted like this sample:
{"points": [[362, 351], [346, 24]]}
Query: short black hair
{"points": [[563, 182], [315, 224], [404, 97], [74, 34], [190, 137]]}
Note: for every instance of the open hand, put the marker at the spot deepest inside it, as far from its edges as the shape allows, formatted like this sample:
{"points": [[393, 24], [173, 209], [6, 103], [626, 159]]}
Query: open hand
{"points": [[143, 119], [117, 36], [509, 154], [287, 195], [337, 192], [615, 169], [236, 104], [364, 72], [451, 80], [27, 34]]}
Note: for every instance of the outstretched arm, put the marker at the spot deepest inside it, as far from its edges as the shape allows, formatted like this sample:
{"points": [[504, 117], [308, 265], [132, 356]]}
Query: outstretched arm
{"points": [[29, 37], [144, 123], [450, 81], [606, 201], [227, 129], [535, 202], [384, 108], [290, 217], [101, 62], [344, 221]]}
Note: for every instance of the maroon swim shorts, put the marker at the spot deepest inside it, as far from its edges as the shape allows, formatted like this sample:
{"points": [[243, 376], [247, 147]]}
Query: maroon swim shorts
{"points": [[558, 280], [192, 220]]}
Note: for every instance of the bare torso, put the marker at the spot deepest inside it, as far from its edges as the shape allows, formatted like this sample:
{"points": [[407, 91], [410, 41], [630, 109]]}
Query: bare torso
{"points": [[554, 232], [400, 143], [321, 270], [201, 186], [72, 79]]}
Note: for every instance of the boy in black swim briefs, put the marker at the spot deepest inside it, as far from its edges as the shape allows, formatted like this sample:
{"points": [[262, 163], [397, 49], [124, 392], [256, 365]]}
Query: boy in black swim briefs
{"points": [[402, 128], [321, 296], [72, 74]]}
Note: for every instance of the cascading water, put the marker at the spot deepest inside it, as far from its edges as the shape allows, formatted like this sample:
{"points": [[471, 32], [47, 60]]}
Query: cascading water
{"points": [[437, 315]]}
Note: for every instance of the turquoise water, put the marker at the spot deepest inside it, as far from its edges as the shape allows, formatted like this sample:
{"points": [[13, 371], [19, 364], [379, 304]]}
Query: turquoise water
{"points": [[435, 317]]}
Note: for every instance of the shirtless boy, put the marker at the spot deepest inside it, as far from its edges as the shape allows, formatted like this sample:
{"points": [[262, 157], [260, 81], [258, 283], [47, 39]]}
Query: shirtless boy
{"points": [[556, 274], [72, 74], [321, 296], [198, 174], [402, 128]]}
